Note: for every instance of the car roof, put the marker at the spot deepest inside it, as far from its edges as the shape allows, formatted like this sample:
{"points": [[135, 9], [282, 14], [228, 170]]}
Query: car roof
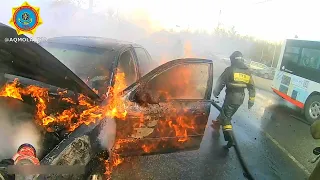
{"points": [[95, 42]]}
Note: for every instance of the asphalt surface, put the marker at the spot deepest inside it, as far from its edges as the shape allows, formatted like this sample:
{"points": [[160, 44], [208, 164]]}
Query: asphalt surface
{"points": [[274, 143]]}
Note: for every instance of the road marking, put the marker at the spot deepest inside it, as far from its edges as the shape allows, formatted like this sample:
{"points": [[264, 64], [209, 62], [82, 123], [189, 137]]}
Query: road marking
{"points": [[305, 170]]}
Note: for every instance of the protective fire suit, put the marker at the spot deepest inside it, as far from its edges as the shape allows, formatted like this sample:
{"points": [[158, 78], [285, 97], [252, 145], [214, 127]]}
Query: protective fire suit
{"points": [[315, 132], [235, 78]]}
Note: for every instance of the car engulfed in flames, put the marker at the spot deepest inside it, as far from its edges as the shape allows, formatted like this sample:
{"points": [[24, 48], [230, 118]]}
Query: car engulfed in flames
{"points": [[85, 113], [164, 111]]}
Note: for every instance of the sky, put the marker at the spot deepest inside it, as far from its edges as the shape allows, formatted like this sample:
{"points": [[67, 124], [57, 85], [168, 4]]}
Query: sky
{"points": [[272, 20]]}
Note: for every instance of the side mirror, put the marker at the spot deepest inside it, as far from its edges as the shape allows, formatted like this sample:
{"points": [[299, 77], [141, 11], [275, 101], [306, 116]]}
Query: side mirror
{"points": [[316, 151]]}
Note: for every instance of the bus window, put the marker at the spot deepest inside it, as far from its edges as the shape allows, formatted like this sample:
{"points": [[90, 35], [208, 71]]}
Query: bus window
{"points": [[310, 58], [302, 61], [290, 56]]}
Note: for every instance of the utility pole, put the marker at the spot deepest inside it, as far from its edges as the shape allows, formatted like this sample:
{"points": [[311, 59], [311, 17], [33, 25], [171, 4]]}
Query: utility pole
{"points": [[219, 17], [261, 54], [274, 54], [219, 23]]}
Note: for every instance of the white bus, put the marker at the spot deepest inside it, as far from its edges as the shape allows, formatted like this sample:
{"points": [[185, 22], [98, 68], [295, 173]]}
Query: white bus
{"points": [[297, 77]]}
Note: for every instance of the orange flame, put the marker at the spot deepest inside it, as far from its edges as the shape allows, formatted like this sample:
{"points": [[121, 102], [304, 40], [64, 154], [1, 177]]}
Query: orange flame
{"points": [[72, 117], [11, 90], [83, 111], [111, 163]]}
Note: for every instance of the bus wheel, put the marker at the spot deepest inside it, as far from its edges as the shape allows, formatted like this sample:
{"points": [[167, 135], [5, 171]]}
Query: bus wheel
{"points": [[312, 108]]}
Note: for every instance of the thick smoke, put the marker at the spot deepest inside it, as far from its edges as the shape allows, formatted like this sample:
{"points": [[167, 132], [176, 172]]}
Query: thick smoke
{"points": [[17, 127], [75, 18]]}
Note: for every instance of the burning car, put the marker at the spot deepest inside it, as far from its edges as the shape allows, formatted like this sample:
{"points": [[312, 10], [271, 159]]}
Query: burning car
{"points": [[97, 99]]}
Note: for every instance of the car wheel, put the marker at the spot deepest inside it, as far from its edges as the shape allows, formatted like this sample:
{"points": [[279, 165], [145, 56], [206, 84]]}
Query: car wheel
{"points": [[312, 108], [266, 76]]}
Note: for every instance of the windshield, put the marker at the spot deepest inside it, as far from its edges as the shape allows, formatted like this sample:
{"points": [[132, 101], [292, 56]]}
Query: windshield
{"points": [[86, 62]]}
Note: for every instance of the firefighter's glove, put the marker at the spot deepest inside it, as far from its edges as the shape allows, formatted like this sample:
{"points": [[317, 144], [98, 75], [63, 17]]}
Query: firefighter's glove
{"points": [[3, 169], [250, 102]]}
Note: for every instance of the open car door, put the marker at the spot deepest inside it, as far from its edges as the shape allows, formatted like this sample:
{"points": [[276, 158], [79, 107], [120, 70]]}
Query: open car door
{"points": [[168, 109]]}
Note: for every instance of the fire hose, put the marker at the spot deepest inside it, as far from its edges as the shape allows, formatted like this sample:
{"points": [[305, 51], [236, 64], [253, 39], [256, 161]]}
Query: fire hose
{"points": [[243, 164]]}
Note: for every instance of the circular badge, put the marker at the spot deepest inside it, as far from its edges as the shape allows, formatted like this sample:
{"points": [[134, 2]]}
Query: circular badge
{"points": [[25, 18]]}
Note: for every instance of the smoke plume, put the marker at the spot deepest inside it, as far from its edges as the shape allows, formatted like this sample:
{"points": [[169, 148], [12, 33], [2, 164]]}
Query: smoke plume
{"points": [[17, 127]]}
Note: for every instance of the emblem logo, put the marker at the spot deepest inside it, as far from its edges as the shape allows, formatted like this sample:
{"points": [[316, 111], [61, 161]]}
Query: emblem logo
{"points": [[25, 18]]}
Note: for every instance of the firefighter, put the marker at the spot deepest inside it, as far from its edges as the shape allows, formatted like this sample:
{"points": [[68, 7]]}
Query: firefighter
{"points": [[235, 78]]}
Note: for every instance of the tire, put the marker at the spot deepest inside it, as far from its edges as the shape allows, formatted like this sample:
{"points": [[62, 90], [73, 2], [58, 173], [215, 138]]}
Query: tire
{"points": [[266, 76], [312, 109]]}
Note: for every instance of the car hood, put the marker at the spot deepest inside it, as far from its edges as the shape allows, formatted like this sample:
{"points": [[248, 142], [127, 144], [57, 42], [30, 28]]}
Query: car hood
{"points": [[28, 59]]}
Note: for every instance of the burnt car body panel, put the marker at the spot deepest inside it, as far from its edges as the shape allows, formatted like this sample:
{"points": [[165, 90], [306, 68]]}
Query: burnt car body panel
{"points": [[193, 107], [86, 136]]}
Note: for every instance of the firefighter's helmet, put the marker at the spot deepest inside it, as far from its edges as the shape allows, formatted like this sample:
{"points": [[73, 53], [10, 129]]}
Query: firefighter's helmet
{"points": [[236, 57]]}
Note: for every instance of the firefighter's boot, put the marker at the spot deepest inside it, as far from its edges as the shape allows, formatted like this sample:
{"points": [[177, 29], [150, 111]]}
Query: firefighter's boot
{"points": [[228, 136]]}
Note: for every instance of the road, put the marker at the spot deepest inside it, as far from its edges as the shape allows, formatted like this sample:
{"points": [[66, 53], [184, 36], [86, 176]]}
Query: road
{"points": [[273, 142]]}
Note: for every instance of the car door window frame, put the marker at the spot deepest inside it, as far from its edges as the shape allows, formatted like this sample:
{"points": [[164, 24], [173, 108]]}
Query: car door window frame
{"points": [[148, 69], [157, 71], [137, 72]]}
